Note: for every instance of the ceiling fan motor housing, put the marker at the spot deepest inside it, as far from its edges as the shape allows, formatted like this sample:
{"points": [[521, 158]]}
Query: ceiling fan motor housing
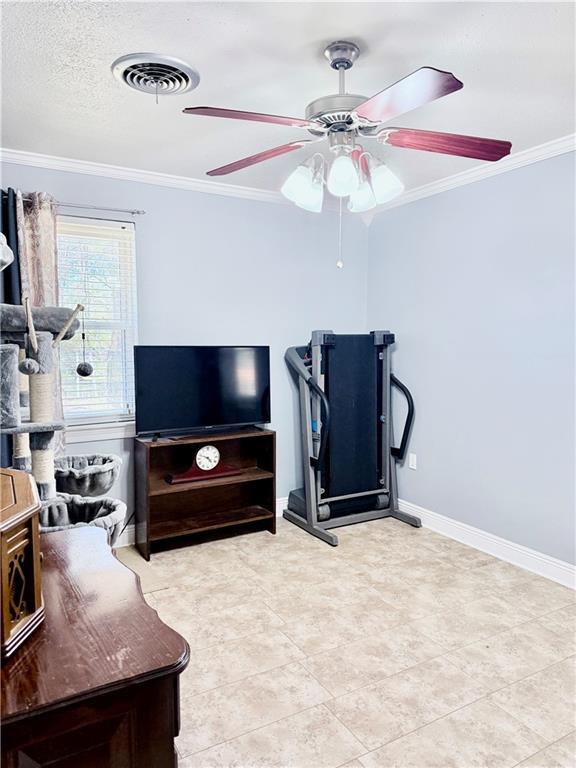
{"points": [[334, 112], [342, 54]]}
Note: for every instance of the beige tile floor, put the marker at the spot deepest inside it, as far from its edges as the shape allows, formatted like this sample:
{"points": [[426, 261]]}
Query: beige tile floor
{"points": [[398, 649]]}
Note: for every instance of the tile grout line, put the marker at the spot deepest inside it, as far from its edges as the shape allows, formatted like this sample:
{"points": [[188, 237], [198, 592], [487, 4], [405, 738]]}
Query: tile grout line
{"points": [[274, 722], [368, 750], [552, 743], [249, 599], [487, 637], [440, 656], [482, 697], [362, 576], [185, 697], [395, 626], [539, 735]]}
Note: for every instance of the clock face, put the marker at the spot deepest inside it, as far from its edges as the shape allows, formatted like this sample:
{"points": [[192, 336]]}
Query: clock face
{"points": [[208, 457]]}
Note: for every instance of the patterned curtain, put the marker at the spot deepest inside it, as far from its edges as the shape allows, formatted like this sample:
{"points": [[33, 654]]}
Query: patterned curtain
{"points": [[37, 254], [9, 287]]}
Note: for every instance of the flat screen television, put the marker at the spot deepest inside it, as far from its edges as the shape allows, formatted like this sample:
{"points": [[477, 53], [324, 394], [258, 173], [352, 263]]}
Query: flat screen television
{"points": [[185, 389]]}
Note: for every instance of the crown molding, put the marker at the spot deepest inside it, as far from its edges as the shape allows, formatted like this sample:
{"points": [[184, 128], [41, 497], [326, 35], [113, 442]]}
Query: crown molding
{"points": [[485, 171], [478, 173], [53, 163]]}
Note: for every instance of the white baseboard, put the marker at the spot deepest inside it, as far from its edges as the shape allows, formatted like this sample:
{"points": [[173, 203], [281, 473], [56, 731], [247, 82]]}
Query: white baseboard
{"points": [[127, 538], [536, 562]]}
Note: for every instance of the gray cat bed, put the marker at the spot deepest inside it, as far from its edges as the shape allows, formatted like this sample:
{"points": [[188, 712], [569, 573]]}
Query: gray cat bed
{"points": [[69, 511], [88, 475]]}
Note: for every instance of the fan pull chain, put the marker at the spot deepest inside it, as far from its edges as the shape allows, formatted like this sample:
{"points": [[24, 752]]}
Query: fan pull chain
{"points": [[340, 263]]}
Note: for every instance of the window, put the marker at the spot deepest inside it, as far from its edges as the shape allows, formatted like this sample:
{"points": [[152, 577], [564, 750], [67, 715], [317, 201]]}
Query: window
{"points": [[96, 268]]}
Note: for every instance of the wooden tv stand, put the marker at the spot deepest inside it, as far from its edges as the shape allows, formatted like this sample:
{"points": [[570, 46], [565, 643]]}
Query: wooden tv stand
{"points": [[165, 511]]}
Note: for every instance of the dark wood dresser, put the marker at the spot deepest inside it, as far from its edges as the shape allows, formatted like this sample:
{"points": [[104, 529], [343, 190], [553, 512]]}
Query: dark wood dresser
{"points": [[96, 686]]}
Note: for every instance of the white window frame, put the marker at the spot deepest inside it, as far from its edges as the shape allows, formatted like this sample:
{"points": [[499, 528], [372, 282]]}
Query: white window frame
{"points": [[85, 428]]}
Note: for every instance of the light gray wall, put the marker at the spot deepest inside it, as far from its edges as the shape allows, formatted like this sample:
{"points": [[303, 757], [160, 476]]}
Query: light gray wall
{"points": [[478, 284], [220, 270]]}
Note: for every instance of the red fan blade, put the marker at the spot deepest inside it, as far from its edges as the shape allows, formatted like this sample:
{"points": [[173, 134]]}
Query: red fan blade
{"points": [[422, 86], [446, 143], [268, 154], [258, 117]]}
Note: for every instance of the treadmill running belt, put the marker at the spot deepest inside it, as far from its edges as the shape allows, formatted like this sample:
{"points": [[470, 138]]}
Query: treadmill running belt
{"points": [[351, 381]]}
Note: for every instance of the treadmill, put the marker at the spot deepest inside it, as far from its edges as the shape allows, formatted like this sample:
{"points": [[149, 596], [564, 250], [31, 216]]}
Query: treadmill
{"points": [[349, 460]]}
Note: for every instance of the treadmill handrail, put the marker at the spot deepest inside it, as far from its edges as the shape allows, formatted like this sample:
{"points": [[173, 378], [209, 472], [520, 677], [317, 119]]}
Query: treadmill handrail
{"points": [[295, 360], [400, 452], [325, 415]]}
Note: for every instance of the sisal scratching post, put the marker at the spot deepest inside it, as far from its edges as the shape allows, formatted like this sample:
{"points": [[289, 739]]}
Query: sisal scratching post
{"points": [[42, 412], [21, 456], [41, 397], [43, 463], [42, 383]]}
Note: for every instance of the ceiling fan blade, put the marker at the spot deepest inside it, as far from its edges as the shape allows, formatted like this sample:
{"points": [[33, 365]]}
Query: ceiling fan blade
{"points": [[268, 154], [258, 117], [446, 143], [415, 90]]}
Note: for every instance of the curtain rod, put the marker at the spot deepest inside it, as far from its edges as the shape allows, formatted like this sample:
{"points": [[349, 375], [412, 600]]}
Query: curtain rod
{"points": [[132, 212]]}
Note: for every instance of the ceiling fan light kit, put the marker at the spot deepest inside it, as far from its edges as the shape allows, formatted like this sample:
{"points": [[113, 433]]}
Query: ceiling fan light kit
{"points": [[345, 119], [363, 198], [343, 177], [386, 185], [305, 185]]}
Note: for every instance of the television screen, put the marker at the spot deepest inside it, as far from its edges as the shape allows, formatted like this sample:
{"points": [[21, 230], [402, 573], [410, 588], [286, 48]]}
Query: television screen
{"points": [[179, 389]]}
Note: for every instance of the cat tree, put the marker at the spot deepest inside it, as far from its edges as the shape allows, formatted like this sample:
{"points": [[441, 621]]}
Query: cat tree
{"points": [[28, 341]]}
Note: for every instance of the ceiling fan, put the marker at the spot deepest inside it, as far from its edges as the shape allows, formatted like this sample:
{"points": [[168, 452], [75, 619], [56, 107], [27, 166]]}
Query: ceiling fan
{"points": [[344, 119]]}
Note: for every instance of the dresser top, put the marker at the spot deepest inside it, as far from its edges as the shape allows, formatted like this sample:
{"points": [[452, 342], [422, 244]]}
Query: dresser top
{"points": [[99, 634], [18, 496]]}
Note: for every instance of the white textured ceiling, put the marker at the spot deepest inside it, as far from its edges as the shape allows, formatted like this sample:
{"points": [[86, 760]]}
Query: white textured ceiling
{"points": [[59, 97]]}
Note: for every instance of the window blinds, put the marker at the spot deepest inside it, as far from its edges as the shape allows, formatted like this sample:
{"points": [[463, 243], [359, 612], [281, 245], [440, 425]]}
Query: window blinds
{"points": [[96, 267]]}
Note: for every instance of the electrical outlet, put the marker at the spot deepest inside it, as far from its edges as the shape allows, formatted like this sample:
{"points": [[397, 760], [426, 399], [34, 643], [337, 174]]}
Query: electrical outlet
{"points": [[412, 460]]}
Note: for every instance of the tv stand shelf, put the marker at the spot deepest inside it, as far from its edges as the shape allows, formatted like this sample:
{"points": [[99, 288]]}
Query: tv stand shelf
{"points": [[159, 486], [165, 511]]}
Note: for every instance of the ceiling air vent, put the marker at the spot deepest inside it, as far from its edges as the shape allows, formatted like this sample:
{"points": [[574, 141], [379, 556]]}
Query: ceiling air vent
{"points": [[155, 74]]}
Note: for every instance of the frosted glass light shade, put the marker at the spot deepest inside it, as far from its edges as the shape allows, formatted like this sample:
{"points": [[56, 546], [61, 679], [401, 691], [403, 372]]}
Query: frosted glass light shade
{"points": [[362, 199], [298, 183], [304, 188], [385, 184], [343, 177]]}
